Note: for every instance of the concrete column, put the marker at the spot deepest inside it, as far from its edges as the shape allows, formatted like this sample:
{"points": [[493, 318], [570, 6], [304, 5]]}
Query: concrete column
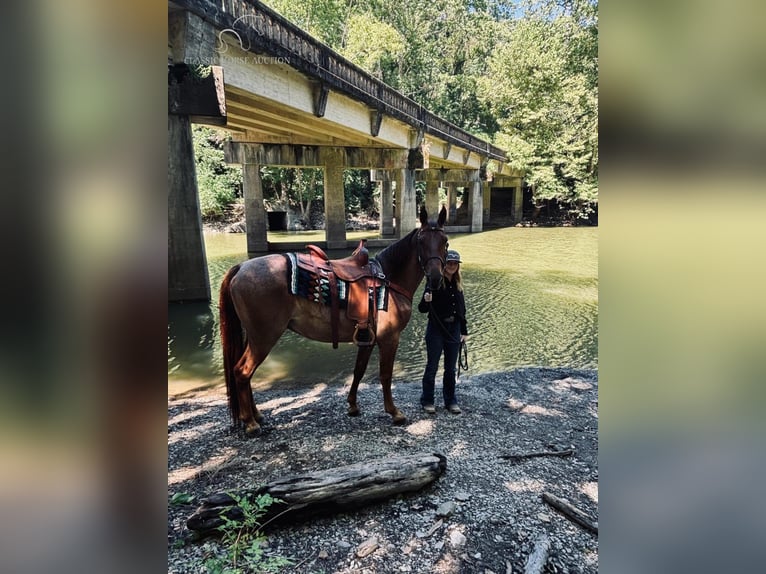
{"points": [[475, 204], [386, 208], [518, 204], [451, 202], [432, 198], [187, 265], [334, 199], [406, 207], [486, 201], [255, 212]]}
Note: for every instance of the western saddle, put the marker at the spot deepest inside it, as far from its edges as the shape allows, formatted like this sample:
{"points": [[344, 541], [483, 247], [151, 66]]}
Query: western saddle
{"points": [[363, 276]]}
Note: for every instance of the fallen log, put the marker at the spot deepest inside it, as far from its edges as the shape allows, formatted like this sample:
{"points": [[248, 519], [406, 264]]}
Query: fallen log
{"points": [[324, 492], [536, 561], [521, 456], [572, 513]]}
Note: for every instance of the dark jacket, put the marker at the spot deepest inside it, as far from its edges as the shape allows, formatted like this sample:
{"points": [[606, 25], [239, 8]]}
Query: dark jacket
{"points": [[447, 303]]}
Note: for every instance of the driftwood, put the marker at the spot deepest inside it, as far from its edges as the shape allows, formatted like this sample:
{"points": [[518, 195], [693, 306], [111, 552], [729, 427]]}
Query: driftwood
{"points": [[323, 492], [572, 513], [521, 456], [536, 561]]}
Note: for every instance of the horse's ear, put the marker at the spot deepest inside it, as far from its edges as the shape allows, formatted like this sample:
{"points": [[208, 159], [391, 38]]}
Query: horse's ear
{"points": [[442, 217], [423, 215]]}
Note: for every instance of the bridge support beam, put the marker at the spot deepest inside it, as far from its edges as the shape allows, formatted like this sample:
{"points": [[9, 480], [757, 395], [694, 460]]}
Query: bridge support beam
{"points": [[406, 204], [201, 100], [518, 203], [334, 198], [187, 266], [451, 202], [255, 213], [386, 208], [432, 198], [486, 202], [475, 204]]}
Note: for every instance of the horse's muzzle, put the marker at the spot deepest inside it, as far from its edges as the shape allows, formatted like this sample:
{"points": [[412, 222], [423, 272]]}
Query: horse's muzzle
{"points": [[434, 280]]}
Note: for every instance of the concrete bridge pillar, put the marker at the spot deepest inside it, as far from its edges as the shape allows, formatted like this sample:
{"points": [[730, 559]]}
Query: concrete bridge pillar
{"points": [[187, 266], [518, 202], [432, 198], [255, 212], [386, 208], [406, 205], [334, 198], [486, 201], [475, 203], [451, 202]]}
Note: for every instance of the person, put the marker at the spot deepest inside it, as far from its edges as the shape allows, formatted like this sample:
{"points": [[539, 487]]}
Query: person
{"points": [[447, 329]]}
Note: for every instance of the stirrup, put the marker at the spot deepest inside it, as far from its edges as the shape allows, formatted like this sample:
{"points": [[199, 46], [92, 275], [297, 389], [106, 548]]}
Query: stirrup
{"points": [[364, 337]]}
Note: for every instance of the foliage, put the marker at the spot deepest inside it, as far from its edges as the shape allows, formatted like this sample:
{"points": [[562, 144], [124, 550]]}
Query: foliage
{"points": [[244, 540], [373, 45], [522, 74], [359, 192], [219, 184], [180, 498], [542, 84], [323, 19], [292, 188]]}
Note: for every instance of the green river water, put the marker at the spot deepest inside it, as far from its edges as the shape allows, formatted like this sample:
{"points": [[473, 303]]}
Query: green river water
{"points": [[531, 296]]}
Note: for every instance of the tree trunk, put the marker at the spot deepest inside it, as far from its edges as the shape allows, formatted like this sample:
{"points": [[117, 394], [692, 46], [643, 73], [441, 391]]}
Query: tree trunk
{"points": [[323, 492]]}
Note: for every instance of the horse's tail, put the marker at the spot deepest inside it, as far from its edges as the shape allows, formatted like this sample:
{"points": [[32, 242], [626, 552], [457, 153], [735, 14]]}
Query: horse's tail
{"points": [[231, 340]]}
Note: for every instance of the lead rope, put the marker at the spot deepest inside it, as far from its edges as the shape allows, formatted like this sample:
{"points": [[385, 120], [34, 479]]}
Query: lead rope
{"points": [[462, 359]]}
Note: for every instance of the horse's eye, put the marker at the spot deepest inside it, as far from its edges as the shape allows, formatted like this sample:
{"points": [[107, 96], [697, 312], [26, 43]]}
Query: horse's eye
{"points": [[447, 246]]}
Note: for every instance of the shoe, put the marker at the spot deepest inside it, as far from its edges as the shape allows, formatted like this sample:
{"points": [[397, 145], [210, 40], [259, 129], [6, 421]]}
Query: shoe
{"points": [[454, 409], [430, 409]]}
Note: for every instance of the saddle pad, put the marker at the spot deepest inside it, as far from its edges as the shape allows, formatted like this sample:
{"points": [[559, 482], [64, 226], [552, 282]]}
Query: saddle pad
{"points": [[317, 288]]}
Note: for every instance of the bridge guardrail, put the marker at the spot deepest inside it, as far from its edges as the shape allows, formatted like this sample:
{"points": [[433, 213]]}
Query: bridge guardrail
{"points": [[263, 30]]}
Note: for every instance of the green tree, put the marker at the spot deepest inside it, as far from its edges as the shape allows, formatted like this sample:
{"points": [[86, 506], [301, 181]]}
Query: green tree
{"points": [[293, 189], [373, 45], [219, 183], [542, 85]]}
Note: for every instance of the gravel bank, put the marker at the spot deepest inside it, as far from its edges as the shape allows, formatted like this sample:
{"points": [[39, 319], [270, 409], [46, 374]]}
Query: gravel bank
{"points": [[493, 505]]}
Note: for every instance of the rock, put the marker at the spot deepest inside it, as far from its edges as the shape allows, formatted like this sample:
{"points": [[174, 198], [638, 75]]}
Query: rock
{"points": [[544, 517], [367, 547], [462, 496], [446, 509], [457, 539], [323, 555], [343, 545]]}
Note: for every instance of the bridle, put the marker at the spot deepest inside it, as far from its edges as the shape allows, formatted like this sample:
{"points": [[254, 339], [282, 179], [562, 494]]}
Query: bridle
{"points": [[420, 258]]}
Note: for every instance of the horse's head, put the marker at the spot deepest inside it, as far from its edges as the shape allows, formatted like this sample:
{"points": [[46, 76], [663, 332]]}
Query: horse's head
{"points": [[432, 247]]}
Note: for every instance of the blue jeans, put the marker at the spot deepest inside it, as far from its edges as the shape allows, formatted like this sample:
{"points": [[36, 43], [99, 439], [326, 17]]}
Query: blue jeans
{"points": [[438, 340]]}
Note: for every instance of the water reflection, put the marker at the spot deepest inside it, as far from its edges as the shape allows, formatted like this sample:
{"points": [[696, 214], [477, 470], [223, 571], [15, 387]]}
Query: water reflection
{"points": [[532, 297]]}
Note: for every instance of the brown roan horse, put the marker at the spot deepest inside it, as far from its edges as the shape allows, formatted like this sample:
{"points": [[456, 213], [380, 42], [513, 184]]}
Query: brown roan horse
{"points": [[256, 297]]}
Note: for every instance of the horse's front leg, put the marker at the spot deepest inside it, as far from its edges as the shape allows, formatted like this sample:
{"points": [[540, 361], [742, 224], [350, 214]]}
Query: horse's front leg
{"points": [[362, 359], [387, 355]]}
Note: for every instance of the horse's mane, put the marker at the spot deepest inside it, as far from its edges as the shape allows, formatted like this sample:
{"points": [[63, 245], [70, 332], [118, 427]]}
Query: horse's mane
{"points": [[397, 253]]}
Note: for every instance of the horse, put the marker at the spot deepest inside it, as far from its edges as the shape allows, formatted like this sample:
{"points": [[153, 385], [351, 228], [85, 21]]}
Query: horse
{"points": [[255, 297]]}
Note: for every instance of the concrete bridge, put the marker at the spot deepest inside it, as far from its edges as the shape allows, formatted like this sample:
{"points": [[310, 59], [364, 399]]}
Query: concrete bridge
{"points": [[290, 101]]}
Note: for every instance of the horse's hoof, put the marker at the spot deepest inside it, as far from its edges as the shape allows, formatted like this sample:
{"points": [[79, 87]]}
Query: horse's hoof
{"points": [[259, 418], [252, 430], [354, 411], [399, 419]]}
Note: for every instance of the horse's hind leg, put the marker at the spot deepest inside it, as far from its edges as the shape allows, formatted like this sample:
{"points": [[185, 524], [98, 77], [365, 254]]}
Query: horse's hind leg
{"points": [[248, 412], [362, 358]]}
